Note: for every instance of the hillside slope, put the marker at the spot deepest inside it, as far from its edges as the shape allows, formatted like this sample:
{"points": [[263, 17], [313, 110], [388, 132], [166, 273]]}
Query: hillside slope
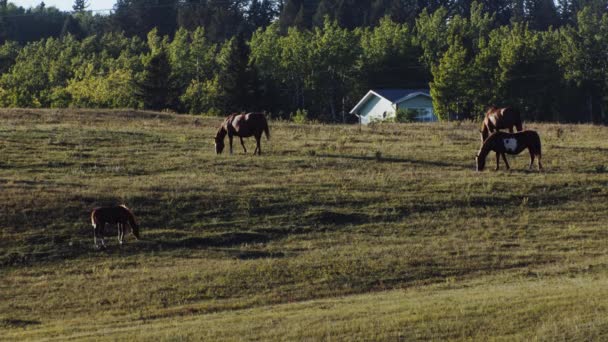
{"points": [[336, 232]]}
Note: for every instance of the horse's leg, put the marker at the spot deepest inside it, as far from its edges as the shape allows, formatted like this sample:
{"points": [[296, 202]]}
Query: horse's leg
{"points": [[497, 161], [102, 228], [258, 146], [243, 144], [121, 232], [531, 162], [230, 139], [531, 159], [504, 157], [540, 166]]}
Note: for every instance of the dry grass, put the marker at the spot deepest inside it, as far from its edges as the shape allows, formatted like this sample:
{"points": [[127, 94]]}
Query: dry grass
{"points": [[335, 233]]}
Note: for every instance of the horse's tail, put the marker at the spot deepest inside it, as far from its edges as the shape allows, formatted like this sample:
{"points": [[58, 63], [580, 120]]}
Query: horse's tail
{"points": [[266, 129], [518, 121], [539, 144], [511, 116]]}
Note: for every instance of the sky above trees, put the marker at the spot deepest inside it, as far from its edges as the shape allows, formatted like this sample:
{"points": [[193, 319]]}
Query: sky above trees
{"points": [[66, 5]]}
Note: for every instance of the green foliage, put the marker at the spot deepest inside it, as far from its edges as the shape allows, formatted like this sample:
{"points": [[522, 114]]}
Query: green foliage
{"points": [[466, 53], [528, 75], [203, 97], [333, 55], [154, 87], [8, 54], [80, 5], [39, 67], [406, 115], [432, 35], [583, 56], [113, 90], [300, 117], [450, 82], [233, 76], [390, 58]]}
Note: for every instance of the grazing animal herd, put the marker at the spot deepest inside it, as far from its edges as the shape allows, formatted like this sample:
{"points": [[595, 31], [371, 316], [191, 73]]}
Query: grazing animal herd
{"points": [[492, 139], [255, 124]]}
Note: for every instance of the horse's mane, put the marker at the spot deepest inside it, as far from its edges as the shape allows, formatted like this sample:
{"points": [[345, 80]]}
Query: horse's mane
{"points": [[223, 130], [127, 209]]}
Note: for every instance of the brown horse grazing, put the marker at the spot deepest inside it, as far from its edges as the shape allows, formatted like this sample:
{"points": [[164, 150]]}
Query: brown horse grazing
{"points": [[243, 126], [500, 118], [511, 143], [119, 215]]}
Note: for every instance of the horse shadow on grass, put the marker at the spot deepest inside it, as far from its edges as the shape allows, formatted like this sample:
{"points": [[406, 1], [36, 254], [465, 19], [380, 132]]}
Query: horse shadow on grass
{"points": [[227, 244]]}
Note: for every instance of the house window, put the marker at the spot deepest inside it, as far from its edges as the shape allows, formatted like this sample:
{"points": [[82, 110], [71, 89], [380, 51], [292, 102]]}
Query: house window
{"points": [[426, 114]]}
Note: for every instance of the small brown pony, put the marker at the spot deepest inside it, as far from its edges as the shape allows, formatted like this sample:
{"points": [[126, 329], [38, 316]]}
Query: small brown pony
{"points": [[511, 143], [119, 215], [500, 118], [243, 126]]}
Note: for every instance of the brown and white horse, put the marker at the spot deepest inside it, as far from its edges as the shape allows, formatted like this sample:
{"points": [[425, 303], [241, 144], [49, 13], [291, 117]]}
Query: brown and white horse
{"points": [[119, 215], [511, 143], [500, 118], [242, 125]]}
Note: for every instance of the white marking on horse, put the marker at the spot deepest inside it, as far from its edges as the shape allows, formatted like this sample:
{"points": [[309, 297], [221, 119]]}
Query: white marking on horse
{"points": [[493, 119], [510, 144]]}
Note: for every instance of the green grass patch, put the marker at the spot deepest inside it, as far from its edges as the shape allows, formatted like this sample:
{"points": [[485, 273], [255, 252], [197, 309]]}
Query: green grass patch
{"points": [[336, 232]]}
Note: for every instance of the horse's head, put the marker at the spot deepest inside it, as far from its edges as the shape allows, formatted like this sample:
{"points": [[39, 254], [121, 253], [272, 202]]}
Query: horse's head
{"points": [[132, 223], [480, 162], [219, 139], [135, 231], [219, 145]]}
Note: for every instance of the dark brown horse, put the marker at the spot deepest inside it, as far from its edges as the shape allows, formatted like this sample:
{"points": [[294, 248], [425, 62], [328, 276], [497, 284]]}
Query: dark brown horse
{"points": [[119, 215], [243, 126], [511, 143], [500, 118]]}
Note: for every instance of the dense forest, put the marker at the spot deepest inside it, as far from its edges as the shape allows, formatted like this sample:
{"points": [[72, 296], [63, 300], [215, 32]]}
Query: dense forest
{"points": [[316, 58]]}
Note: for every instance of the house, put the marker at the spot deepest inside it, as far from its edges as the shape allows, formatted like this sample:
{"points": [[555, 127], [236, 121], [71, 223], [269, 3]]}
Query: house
{"points": [[382, 104]]}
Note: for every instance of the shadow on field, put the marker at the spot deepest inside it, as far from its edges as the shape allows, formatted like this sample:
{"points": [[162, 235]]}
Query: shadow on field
{"points": [[17, 323], [581, 149], [328, 217], [59, 248], [219, 240], [383, 159], [226, 244]]}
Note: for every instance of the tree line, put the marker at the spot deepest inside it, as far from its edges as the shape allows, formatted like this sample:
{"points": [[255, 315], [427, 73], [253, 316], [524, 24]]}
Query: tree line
{"points": [[312, 57]]}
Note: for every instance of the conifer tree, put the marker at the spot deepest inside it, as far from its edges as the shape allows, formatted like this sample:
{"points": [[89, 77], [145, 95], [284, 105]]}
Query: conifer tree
{"points": [[289, 13], [325, 9], [154, 88], [80, 5]]}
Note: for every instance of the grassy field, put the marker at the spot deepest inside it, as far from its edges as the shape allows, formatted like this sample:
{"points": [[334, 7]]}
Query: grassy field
{"points": [[335, 233]]}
